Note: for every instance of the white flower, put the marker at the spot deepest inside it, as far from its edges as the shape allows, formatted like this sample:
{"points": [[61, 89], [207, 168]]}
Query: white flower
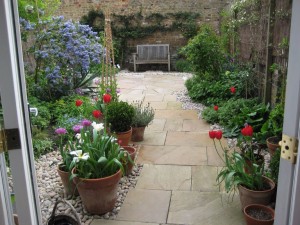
{"points": [[78, 136], [98, 126], [79, 156]]}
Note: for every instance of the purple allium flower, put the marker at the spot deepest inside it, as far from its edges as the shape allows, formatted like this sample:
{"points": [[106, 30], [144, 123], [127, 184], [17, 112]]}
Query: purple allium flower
{"points": [[108, 90], [118, 90], [60, 131], [96, 81], [77, 128], [86, 123]]}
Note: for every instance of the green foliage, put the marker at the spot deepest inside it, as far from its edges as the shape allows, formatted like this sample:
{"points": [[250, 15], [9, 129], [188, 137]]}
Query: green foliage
{"points": [[183, 66], [244, 110], [274, 124], [32, 10], [125, 27], [214, 92], [274, 166], [143, 115], [65, 109], [43, 119], [41, 142], [204, 53], [119, 115]]}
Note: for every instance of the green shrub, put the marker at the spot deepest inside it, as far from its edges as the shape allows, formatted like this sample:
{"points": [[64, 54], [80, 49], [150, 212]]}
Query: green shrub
{"points": [[119, 116], [43, 119], [183, 66], [234, 113], [41, 142], [143, 115], [204, 52]]}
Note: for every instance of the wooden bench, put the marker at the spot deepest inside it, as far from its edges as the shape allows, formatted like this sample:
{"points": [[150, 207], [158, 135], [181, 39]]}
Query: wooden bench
{"points": [[151, 54]]}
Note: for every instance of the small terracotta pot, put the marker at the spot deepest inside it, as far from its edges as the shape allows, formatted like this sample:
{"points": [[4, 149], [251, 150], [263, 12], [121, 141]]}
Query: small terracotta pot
{"points": [[253, 221], [69, 186], [128, 166], [248, 197], [99, 195], [124, 137], [138, 134], [273, 144]]}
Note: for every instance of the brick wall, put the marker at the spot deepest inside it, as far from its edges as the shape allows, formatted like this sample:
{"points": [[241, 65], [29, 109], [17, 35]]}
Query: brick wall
{"points": [[209, 13]]}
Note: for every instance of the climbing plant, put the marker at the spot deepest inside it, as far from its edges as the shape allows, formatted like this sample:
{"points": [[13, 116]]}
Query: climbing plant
{"points": [[136, 26]]}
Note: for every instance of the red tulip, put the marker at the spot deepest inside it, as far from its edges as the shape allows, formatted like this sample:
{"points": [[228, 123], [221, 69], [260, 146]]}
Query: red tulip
{"points": [[97, 114], [247, 131], [106, 98], [78, 102], [216, 108], [219, 134], [233, 90], [212, 134]]}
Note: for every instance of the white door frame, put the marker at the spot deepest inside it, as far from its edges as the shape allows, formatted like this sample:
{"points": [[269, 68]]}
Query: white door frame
{"points": [[16, 116], [288, 199]]}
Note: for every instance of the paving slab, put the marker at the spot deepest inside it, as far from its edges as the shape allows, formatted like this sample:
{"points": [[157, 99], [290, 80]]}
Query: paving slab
{"points": [[169, 98], [172, 155], [156, 125], [205, 208], [173, 125], [165, 177], [118, 222], [154, 97], [158, 105], [176, 114], [195, 125], [213, 159], [174, 105], [204, 178], [154, 137], [150, 206], [188, 139]]}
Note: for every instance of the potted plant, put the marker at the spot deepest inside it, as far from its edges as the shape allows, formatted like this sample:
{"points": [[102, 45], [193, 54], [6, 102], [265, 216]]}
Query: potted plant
{"points": [[128, 164], [119, 117], [256, 214], [64, 168], [97, 167], [253, 186], [143, 116], [272, 128]]}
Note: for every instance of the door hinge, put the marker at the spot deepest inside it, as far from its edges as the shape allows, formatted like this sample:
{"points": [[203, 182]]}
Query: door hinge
{"points": [[9, 139], [289, 148]]}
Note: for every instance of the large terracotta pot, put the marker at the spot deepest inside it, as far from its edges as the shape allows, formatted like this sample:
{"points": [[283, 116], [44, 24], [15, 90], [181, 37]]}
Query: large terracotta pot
{"points": [[138, 134], [124, 137], [128, 166], [69, 186], [257, 207], [248, 197], [273, 144], [99, 195]]}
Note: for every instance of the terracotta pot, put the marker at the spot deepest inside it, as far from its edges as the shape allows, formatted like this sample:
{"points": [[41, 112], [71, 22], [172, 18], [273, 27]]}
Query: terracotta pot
{"points": [[273, 144], [248, 197], [69, 186], [128, 166], [124, 137], [253, 221], [99, 195], [138, 134]]}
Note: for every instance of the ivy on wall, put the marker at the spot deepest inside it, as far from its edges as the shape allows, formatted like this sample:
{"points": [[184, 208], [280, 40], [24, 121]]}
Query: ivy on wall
{"points": [[137, 26]]}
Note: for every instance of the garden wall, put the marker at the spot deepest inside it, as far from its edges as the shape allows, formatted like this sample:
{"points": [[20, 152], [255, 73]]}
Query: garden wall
{"points": [[209, 12]]}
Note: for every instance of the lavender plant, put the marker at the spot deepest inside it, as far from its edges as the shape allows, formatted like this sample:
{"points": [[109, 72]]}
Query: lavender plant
{"points": [[65, 54]]}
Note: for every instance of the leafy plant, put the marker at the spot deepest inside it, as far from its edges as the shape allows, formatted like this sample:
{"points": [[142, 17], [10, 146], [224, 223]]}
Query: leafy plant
{"points": [[64, 54], [204, 53], [143, 115], [119, 115], [183, 66], [274, 166]]}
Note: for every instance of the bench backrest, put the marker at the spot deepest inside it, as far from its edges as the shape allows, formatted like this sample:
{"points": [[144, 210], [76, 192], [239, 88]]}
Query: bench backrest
{"points": [[153, 52]]}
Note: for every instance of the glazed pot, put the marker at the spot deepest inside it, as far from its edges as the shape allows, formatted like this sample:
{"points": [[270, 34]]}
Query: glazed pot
{"points": [[248, 197], [128, 166], [138, 134], [69, 186], [252, 220], [98, 195], [124, 137]]}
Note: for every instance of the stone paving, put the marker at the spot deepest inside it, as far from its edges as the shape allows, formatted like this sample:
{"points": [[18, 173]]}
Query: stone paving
{"points": [[177, 184]]}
